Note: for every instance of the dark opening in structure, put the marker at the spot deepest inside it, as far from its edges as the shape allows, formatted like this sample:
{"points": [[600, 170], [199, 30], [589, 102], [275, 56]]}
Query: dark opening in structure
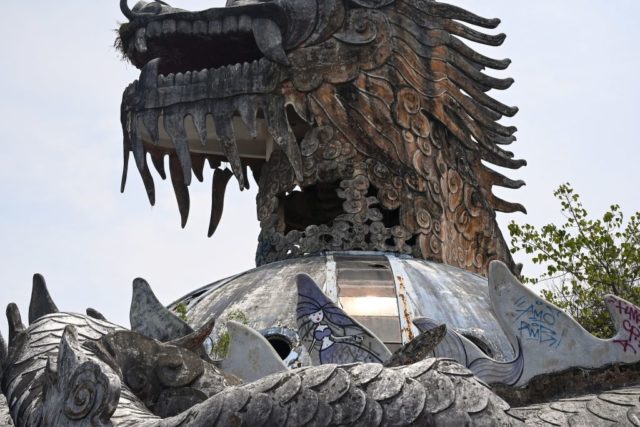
{"points": [[480, 343], [280, 344]]}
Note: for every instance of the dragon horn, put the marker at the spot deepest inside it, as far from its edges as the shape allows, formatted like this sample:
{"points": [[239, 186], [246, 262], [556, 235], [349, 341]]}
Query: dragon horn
{"points": [[150, 318], [41, 303], [126, 11], [194, 340]]}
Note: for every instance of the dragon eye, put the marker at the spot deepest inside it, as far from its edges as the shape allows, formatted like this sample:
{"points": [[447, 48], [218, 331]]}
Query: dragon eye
{"points": [[136, 378]]}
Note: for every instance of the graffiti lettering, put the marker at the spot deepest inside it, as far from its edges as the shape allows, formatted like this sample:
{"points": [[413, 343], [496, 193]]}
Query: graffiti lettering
{"points": [[537, 322], [631, 325]]}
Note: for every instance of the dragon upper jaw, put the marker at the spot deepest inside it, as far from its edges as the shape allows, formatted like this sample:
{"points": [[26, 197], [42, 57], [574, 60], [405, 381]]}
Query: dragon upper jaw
{"points": [[229, 109]]}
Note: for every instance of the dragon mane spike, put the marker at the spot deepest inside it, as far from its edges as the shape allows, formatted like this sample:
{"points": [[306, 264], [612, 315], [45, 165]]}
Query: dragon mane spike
{"points": [[3, 353], [41, 302], [95, 314], [14, 319], [445, 10]]}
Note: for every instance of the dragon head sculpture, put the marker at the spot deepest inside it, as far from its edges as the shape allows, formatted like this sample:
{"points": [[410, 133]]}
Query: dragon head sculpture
{"points": [[367, 124]]}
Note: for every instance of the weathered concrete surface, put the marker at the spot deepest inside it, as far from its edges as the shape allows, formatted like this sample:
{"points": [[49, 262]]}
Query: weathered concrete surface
{"points": [[78, 387], [551, 340], [5, 418], [619, 407], [251, 357], [152, 319], [457, 298], [267, 296], [468, 353], [571, 383]]}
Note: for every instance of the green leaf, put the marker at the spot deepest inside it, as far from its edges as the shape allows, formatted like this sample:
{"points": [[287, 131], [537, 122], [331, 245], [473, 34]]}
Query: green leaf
{"points": [[584, 259]]}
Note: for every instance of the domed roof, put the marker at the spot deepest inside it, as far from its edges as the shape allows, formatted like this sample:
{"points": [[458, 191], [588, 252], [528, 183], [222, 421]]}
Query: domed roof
{"points": [[385, 292]]}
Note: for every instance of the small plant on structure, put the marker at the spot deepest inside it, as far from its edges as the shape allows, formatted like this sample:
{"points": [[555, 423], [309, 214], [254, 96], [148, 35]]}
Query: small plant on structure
{"points": [[181, 311], [585, 259], [221, 349]]}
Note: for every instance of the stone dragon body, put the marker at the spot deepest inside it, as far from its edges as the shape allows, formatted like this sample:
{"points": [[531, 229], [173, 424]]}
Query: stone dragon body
{"points": [[69, 369]]}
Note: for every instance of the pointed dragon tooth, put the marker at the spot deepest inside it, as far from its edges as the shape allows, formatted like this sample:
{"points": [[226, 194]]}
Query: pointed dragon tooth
{"points": [[180, 188], [197, 161], [168, 26], [200, 27], [149, 186], [246, 70], [269, 40], [255, 67], [227, 139], [174, 125], [157, 158], [137, 146], [199, 117], [154, 29], [184, 27], [149, 74], [248, 111], [150, 121], [245, 169], [215, 26], [244, 23], [283, 135], [230, 24], [201, 76], [125, 121], [125, 168], [218, 187]]}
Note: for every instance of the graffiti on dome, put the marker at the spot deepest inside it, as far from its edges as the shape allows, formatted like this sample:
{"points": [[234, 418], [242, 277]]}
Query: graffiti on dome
{"points": [[536, 321], [630, 316]]}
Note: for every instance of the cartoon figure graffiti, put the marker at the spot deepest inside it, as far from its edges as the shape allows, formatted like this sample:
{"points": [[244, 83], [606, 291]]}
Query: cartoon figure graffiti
{"points": [[330, 335]]}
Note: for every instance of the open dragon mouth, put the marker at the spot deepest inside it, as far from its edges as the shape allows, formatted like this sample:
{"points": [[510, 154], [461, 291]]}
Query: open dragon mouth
{"points": [[207, 92], [192, 45]]}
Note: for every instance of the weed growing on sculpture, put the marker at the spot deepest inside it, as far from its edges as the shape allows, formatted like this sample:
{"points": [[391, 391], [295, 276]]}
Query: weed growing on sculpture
{"points": [[585, 259], [221, 349]]}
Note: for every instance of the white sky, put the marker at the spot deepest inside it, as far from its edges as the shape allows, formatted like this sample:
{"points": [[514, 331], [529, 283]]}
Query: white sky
{"points": [[575, 63]]}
